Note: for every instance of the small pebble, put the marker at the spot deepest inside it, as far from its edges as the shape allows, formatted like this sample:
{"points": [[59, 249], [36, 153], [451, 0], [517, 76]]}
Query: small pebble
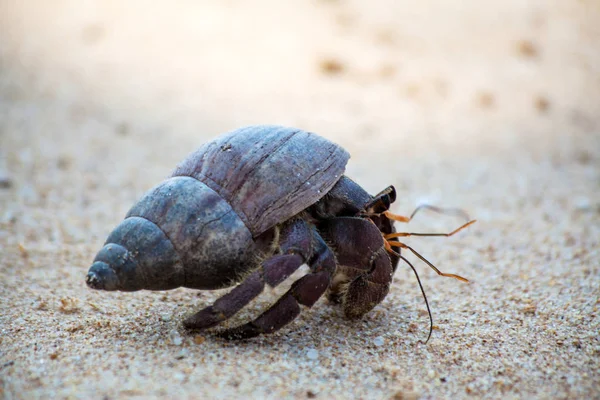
{"points": [[486, 100], [182, 354], [175, 338], [527, 49], [312, 354], [165, 317], [582, 203], [5, 181], [178, 377], [378, 341], [199, 339], [331, 66], [541, 104]]}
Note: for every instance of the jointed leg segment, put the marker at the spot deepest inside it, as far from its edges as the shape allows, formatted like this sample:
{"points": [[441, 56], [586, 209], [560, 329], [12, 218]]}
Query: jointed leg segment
{"points": [[391, 244], [295, 244], [273, 271], [305, 291]]}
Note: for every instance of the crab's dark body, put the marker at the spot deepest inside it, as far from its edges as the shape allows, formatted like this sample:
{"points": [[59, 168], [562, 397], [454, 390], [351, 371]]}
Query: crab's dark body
{"points": [[249, 208]]}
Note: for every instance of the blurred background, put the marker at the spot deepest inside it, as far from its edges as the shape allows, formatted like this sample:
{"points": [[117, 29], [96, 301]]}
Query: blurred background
{"points": [[126, 89], [490, 106]]}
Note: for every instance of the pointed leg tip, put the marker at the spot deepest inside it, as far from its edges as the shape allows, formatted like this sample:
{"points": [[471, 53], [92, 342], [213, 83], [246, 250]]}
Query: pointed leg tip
{"points": [[246, 331], [203, 319]]}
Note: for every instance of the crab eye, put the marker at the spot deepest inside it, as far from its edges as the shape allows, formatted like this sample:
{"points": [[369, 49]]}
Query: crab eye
{"points": [[391, 193]]}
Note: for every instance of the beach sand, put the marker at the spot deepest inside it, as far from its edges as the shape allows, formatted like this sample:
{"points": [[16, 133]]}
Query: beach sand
{"points": [[492, 108]]}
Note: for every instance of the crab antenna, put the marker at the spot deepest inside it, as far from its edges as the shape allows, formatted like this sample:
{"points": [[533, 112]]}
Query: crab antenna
{"points": [[422, 291], [440, 210], [403, 246], [448, 211], [405, 234]]}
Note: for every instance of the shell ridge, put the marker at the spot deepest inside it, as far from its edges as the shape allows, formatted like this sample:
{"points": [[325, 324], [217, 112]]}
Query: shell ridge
{"points": [[236, 200], [267, 173], [179, 260], [222, 192], [279, 203], [261, 160]]}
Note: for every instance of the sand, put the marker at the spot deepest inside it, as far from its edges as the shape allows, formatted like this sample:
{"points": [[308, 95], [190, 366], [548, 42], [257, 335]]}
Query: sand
{"points": [[493, 108]]}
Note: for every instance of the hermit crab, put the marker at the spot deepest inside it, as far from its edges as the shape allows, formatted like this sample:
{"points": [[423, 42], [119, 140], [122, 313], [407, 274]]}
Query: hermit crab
{"points": [[247, 210]]}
